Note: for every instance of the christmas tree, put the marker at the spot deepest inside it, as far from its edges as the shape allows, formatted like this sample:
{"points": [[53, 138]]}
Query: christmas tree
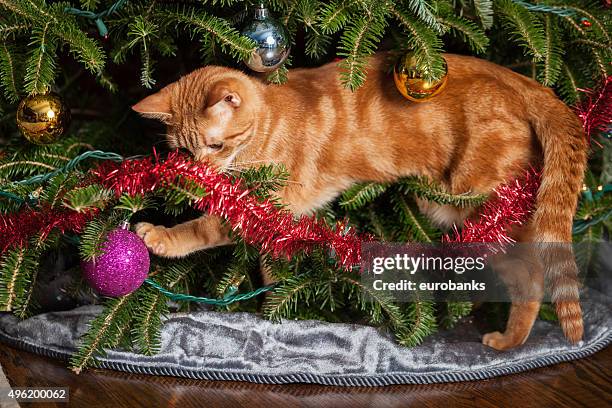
{"points": [[103, 56]]}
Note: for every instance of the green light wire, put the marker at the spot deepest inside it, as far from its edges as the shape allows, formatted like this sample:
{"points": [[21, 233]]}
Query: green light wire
{"points": [[97, 17], [227, 300], [541, 8], [582, 225], [71, 165], [11, 196]]}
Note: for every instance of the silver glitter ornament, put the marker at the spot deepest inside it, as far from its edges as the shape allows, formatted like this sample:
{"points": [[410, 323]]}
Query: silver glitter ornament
{"points": [[272, 41]]}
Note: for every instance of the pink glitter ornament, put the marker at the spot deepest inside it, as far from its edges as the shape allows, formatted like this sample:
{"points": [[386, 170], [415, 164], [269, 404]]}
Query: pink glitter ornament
{"points": [[122, 267]]}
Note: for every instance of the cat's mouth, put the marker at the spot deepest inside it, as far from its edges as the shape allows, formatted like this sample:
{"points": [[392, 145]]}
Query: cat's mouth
{"points": [[214, 158]]}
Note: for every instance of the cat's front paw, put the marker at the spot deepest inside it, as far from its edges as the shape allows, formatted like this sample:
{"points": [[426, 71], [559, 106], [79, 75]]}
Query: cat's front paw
{"points": [[155, 237]]}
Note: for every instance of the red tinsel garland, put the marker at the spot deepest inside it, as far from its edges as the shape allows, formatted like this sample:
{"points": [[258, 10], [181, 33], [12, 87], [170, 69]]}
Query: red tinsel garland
{"points": [[275, 230], [596, 110], [512, 205], [18, 228]]}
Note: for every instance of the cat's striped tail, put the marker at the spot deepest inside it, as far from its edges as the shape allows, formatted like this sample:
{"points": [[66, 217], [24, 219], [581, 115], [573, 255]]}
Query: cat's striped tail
{"points": [[565, 150]]}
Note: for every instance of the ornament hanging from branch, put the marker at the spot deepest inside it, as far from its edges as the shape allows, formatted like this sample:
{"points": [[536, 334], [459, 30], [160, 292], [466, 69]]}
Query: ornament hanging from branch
{"points": [[272, 41], [43, 118], [122, 266], [410, 81]]}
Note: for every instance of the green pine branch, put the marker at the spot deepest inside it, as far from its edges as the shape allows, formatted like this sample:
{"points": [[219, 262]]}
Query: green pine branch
{"points": [[23, 162], [335, 15], [55, 190], [11, 64], [13, 29], [105, 331], [547, 312], [424, 43], [550, 66], [244, 259], [467, 31], [94, 235], [85, 50], [178, 272], [285, 299], [264, 180], [361, 194], [91, 5], [18, 273], [317, 44], [358, 41], [587, 247], [568, 85], [422, 323], [377, 225], [41, 63], [601, 25], [16, 265], [279, 75], [147, 320], [453, 312], [134, 203], [416, 228], [51, 27], [424, 11], [26, 283], [409, 329], [179, 195], [88, 197], [202, 24], [431, 191], [484, 11], [523, 27]]}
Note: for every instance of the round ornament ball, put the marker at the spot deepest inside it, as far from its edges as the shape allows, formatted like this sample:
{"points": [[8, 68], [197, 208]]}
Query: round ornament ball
{"points": [[410, 82], [272, 41], [122, 267], [43, 118]]}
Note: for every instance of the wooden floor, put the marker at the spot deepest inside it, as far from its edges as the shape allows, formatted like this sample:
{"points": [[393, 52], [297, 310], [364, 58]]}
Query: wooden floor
{"points": [[582, 383]]}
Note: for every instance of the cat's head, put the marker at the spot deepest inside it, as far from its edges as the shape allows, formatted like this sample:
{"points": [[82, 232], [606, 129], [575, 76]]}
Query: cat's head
{"points": [[211, 112]]}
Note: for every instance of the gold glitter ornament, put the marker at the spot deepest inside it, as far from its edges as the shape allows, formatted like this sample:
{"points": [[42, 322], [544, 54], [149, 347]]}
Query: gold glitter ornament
{"points": [[43, 118], [409, 80]]}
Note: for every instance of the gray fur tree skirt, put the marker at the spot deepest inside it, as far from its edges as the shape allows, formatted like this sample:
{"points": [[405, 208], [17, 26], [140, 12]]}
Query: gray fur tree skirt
{"points": [[244, 347]]}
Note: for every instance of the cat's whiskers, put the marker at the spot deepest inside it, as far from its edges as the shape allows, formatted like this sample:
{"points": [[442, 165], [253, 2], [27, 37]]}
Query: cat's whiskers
{"points": [[245, 164]]}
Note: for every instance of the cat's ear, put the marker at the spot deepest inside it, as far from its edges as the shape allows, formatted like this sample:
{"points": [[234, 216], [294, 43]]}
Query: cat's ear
{"points": [[156, 106], [223, 93]]}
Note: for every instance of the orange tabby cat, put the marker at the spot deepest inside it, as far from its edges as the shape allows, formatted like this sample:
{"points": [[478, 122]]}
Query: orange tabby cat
{"points": [[481, 131]]}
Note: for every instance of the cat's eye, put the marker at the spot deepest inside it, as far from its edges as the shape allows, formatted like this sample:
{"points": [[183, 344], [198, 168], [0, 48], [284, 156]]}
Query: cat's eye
{"points": [[228, 98], [215, 146]]}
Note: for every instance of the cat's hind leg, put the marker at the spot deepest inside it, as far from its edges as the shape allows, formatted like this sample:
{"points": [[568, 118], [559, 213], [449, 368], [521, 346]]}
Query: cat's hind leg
{"points": [[520, 322], [523, 275], [184, 239]]}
